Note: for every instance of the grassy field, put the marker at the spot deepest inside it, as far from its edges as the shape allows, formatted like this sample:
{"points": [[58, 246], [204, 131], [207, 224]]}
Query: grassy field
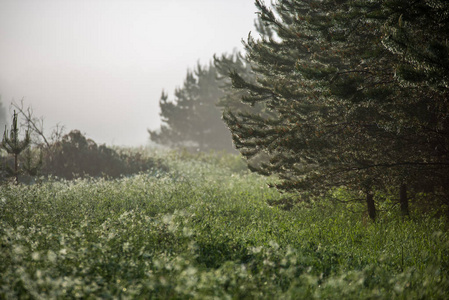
{"points": [[204, 230]]}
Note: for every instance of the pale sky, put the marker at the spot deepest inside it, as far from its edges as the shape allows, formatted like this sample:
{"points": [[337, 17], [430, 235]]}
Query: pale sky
{"points": [[100, 65]]}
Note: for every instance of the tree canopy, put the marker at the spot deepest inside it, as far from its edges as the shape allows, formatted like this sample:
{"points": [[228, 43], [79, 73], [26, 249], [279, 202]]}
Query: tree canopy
{"points": [[357, 93]]}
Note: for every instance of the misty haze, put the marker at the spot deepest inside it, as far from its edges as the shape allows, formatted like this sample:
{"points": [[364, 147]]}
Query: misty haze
{"points": [[100, 66]]}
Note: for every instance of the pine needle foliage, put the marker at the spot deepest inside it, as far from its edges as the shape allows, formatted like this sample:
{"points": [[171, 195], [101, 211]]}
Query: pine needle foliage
{"points": [[341, 114]]}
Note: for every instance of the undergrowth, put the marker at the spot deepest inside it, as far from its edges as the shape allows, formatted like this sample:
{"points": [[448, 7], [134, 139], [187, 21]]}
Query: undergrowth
{"points": [[204, 230]]}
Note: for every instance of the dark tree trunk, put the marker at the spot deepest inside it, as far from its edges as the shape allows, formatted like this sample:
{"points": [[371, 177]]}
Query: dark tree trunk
{"points": [[371, 206], [16, 168], [403, 200]]}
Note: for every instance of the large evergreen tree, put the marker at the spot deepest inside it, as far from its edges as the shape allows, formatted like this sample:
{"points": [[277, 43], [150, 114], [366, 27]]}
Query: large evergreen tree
{"points": [[402, 82], [193, 120], [341, 116], [307, 128], [417, 32]]}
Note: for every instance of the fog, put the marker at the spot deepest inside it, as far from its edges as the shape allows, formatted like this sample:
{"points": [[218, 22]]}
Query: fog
{"points": [[100, 66]]}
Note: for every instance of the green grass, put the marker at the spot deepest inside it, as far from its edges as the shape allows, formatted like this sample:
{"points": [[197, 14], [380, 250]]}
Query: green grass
{"points": [[205, 231]]}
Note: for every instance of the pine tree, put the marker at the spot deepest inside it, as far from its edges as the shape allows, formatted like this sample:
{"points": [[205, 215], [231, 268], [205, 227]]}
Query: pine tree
{"points": [[307, 135], [410, 113], [14, 145], [340, 116], [193, 120], [417, 32]]}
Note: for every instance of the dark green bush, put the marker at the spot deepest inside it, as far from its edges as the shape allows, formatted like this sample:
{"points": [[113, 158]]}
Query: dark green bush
{"points": [[76, 156]]}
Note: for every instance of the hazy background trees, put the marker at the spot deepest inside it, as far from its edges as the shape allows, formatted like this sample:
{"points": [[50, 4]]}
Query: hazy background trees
{"points": [[192, 120]]}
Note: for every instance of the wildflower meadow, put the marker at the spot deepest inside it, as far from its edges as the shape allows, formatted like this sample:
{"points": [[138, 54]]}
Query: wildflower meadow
{"points": [[204, 229]]}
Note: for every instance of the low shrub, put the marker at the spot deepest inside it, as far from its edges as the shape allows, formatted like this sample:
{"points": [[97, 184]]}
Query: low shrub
{"points": [[76, 156]]}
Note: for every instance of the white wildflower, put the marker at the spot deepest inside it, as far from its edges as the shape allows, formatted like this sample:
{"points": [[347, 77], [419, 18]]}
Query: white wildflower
{"points": [[256, 250], [274, 245], [35, 256], [187, 232], [126, 246], [51, 256]]}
